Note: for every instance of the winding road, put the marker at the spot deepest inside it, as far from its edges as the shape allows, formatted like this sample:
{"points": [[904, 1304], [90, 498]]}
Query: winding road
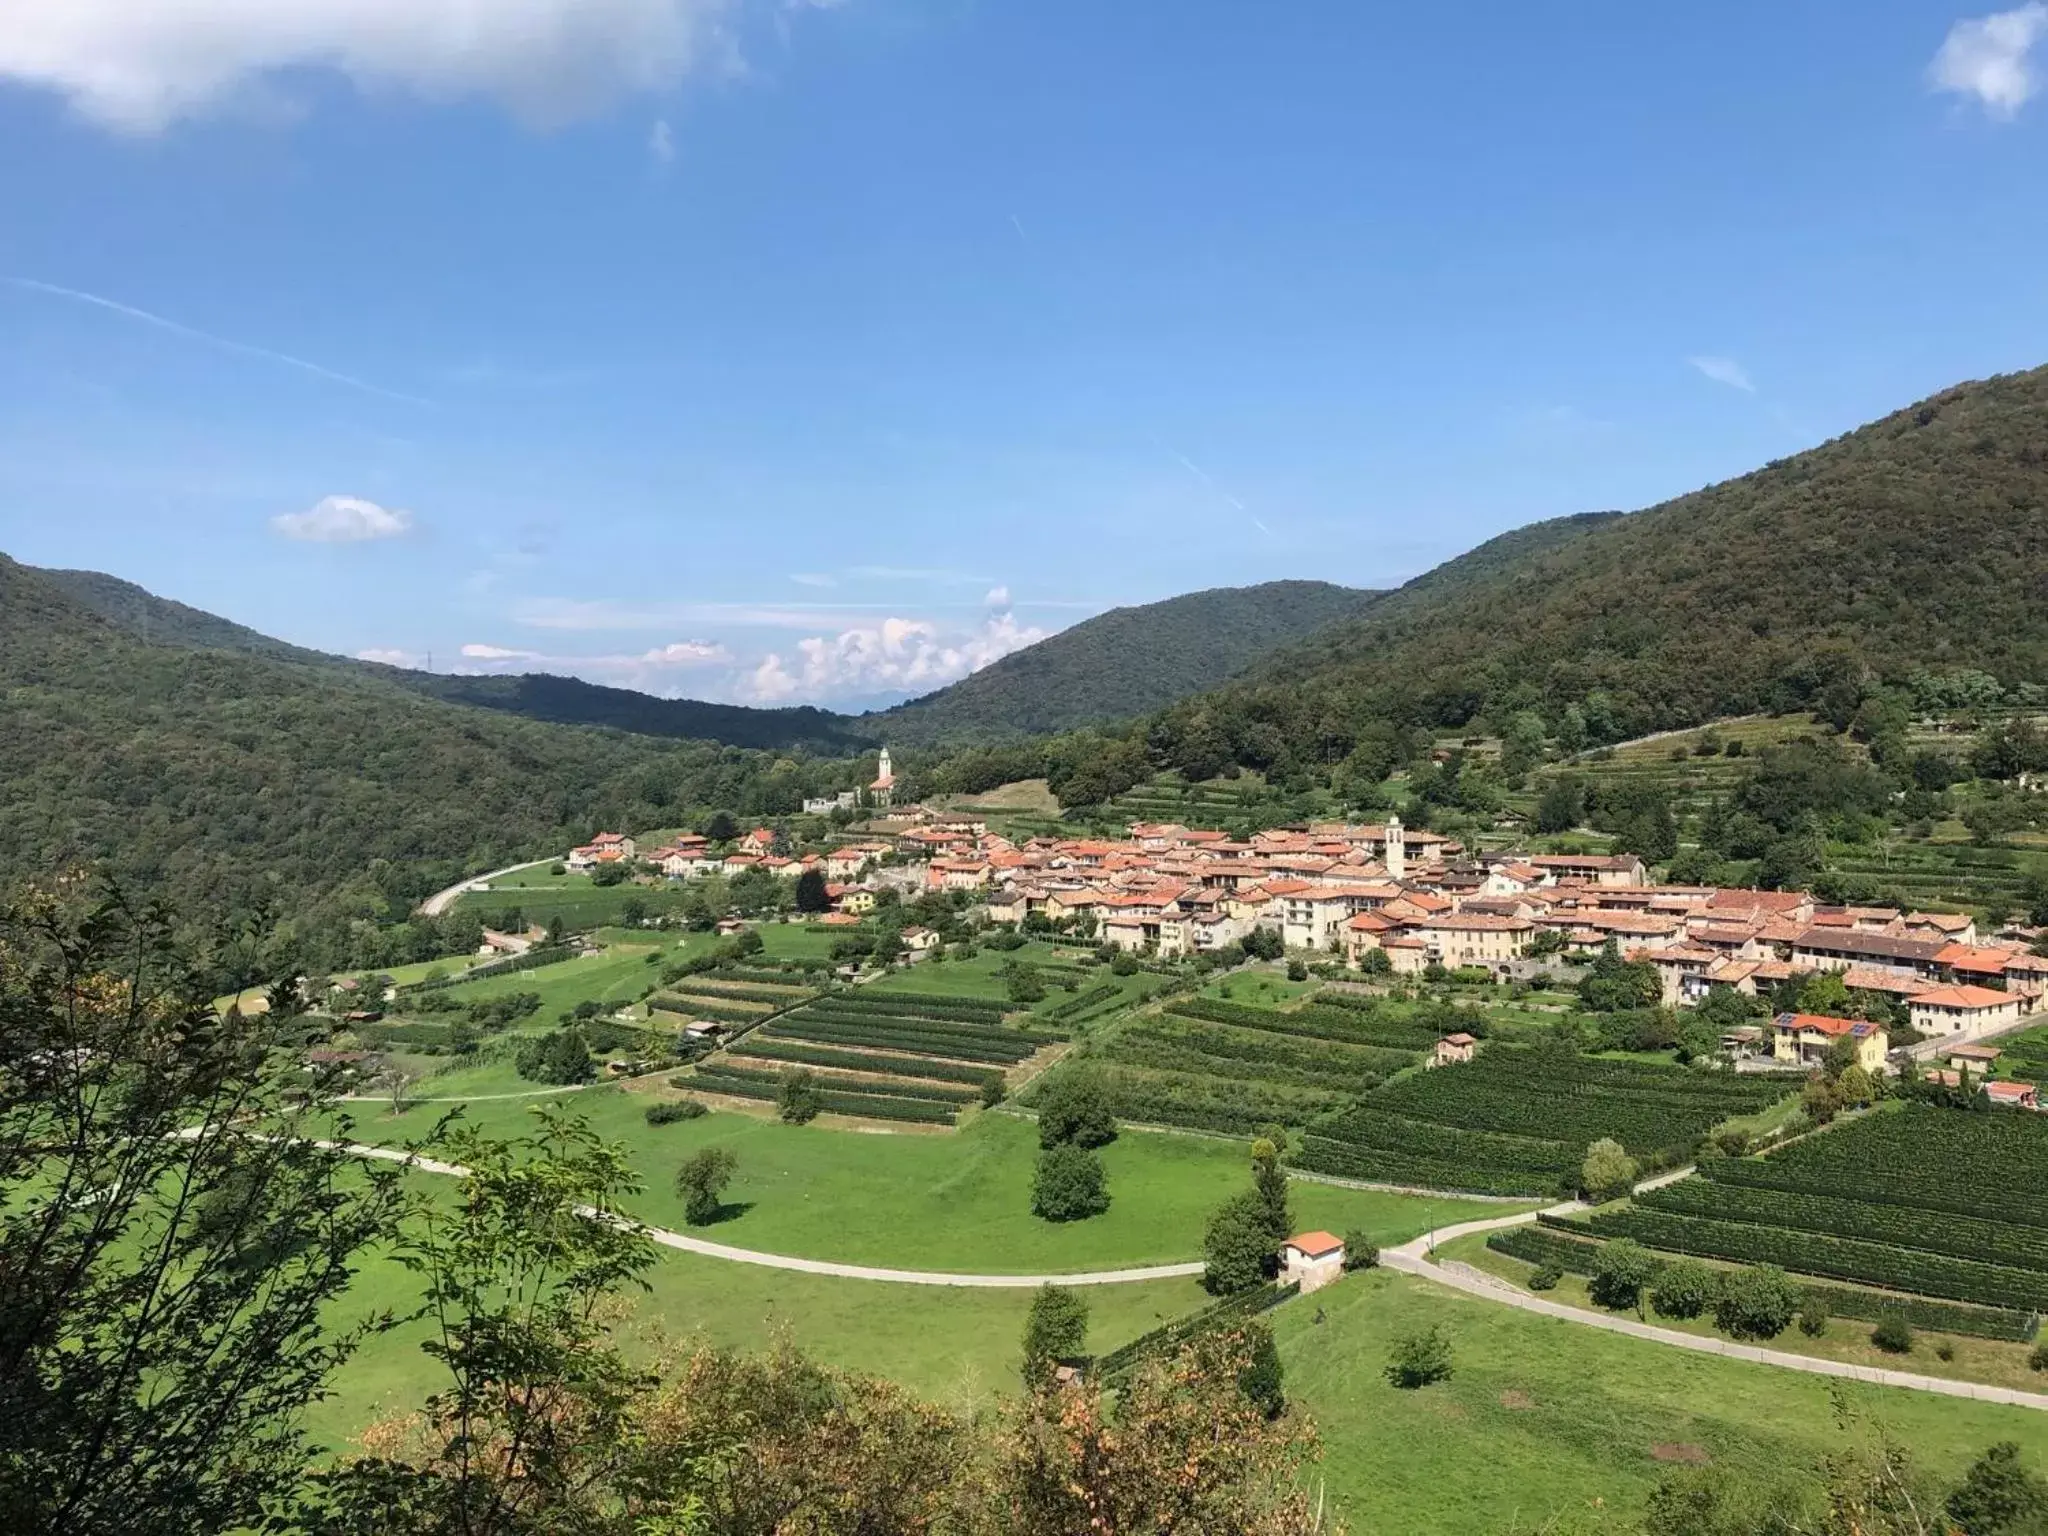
{"points": [[441, 901], [1415, 1257]]}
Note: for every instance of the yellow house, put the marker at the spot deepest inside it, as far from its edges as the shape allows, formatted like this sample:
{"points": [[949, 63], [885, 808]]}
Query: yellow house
{"points": [[859, 901], [1807, 1038]]}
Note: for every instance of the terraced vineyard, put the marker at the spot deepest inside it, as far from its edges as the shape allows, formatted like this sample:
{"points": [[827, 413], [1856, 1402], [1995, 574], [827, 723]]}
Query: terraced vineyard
{"points": [[1218, 1066], [1517, 1120], [733, 997], [1937, 1202], [890, 1056], [1211, 804]]}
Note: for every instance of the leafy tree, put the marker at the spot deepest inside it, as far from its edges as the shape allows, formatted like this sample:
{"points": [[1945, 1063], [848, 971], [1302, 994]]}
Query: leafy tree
{"points": [[1893, 1334], [1620, 1272], [1998, 1496], [1022, 983], [165, 1275], [1608, 1172], [719, 827], [1269, 1179], [561, 1056], [1074, 1108], [796, 1096], [811, 896], [1683, 1289], [1238, 1249], [520, 1276], [1823, 992], [701, 1182], [1561, 806], [1813, 1317], [1420, 1359], [1757, 1303], [1056, 1328], [1614, 985], [1069, 1184], [1360, 1251]]}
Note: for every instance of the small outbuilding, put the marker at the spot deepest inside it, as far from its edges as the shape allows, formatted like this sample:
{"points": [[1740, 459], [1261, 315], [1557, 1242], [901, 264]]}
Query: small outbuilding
{"points": [[1454, 1048], [1312, 1258]]}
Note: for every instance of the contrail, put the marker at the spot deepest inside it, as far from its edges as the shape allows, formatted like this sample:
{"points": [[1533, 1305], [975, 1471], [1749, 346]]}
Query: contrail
{"points": [[1209, 480], [206, 338], [1019, 224]]}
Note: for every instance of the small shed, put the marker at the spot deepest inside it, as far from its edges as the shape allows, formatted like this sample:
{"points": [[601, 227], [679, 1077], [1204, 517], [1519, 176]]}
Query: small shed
{"points": [[1454, 1048], [1312, 1258], [1978, 1056]]}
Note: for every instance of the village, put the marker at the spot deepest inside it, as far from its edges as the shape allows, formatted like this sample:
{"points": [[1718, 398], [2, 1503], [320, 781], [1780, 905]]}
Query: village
{"points": [[1383, 900]]}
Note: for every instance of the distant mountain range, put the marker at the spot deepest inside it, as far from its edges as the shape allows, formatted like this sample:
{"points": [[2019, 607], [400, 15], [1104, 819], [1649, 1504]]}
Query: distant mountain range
{"points": [[1129, 661]]}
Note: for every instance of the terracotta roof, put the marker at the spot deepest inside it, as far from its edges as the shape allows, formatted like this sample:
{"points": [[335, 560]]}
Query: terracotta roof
{"points": [[1962, 997], [1315, 1244], [1826, 1024]]}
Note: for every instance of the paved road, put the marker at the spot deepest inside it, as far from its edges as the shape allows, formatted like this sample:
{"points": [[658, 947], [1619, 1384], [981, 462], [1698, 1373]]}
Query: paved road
{"points": [[698, 1245], [440, 901], [1415, 1258]]}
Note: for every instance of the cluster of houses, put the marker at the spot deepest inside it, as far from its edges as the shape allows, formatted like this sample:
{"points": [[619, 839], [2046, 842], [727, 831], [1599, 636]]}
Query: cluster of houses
{"points": [[1421, 900], [689, 856]]}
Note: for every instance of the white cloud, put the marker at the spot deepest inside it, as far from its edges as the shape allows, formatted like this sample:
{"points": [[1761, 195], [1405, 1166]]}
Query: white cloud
{"points": [[139, 65], [998, 597], [1725, 370], [389, 658], [687, 653], [498, 653], [661, 142], [343, 520], [1987, 57], [897, 655], [814, 579]]}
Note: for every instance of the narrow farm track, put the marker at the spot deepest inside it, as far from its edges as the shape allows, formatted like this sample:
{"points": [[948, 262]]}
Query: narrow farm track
{"points": [[1416, 1258], [698, 1245]]}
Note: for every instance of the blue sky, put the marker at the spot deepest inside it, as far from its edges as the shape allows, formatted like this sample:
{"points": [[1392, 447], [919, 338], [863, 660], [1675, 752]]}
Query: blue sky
{"points": [[789, 351]]}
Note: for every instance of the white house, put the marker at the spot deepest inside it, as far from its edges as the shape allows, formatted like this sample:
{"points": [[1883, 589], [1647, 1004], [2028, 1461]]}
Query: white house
{"points": [[1962, 1010], [1313, 1258]]}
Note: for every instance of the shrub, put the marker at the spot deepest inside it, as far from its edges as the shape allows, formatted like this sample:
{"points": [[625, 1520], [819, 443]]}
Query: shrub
{"points": [[1545, 1277], [1125, 963], [1262, 1379], [1056, 1328], [1813, 1318], [1684, 1289], [668, 1111], [2038, 1359], [1621, 1271], [1420, 1359], [1945, 1350], [796, 1097], [1360, 1251], [1297, 970], [1757, 1303], [992, 1090], [1893, 1334], [1069, 1184]]}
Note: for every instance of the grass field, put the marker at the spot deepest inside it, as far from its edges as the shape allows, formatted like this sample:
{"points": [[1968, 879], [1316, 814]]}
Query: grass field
{"points": [[960, 1202], [1546, 1425], [956, 1345]]}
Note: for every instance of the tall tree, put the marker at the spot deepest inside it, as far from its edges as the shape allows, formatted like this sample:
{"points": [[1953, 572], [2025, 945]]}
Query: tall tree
{"points": [[171, 1236]]}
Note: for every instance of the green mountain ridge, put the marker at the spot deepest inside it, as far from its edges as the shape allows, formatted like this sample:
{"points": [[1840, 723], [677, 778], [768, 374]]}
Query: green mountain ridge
{"points": [[1916, 543], [1126, 662]]}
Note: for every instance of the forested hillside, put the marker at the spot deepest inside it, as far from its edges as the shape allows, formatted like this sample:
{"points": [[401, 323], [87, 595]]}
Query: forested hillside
{"points": [[533, 695], [1126, 662], [1919, 543], [225, 777]]}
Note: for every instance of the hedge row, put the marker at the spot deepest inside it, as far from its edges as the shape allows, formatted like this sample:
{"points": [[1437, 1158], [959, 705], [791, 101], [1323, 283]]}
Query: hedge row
{"points": [[1369, 1127], [1232, 1309], [938, 1093], [1930, 1159], [923, 1005], [532, 960], [1964, 1237], [1376, 1165], [828, 1011], [1835, 1258], [1539, 1245], [868, 1106], [1073, 1007], [1312, 1023], [796, 1027], [723, 1013], [1209, 1104], [1143, 1046], [771, 1049], [747, 992]]}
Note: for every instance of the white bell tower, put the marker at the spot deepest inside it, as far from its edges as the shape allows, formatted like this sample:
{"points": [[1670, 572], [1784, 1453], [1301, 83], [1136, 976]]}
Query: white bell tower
{"points": [[1397, 850]]}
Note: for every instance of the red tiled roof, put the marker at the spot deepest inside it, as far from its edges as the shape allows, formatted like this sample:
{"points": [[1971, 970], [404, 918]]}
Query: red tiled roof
{"points": [[1315, 1244]]}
